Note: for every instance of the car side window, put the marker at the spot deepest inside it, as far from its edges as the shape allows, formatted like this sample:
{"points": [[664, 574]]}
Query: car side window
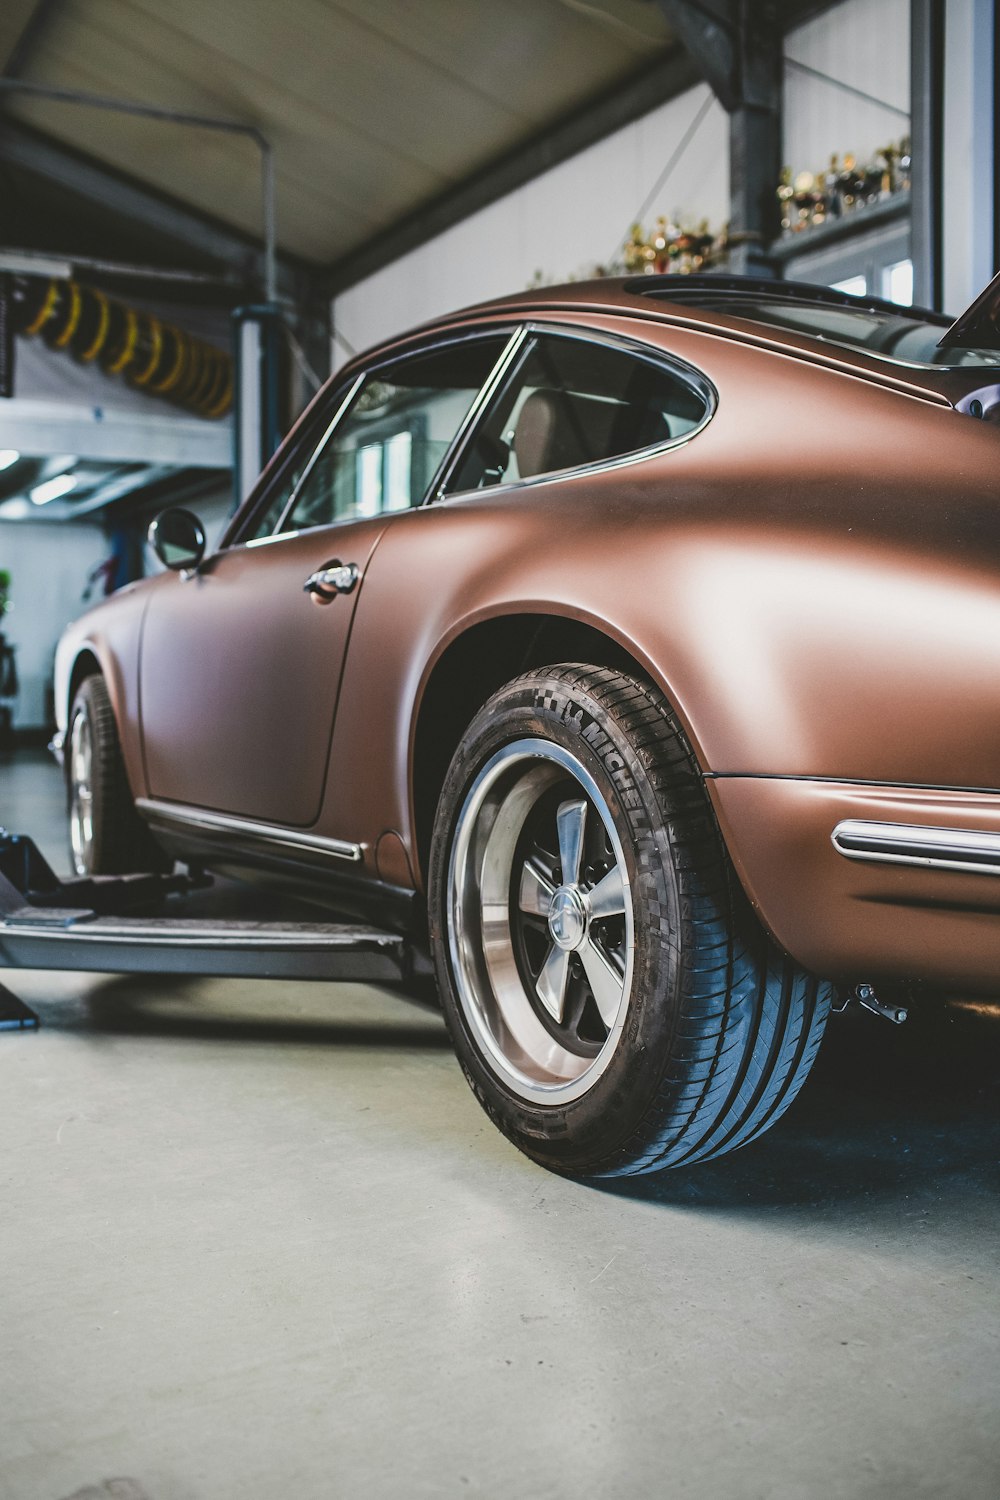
{"points": [[267, 522], [383, 451], [572, 401]]}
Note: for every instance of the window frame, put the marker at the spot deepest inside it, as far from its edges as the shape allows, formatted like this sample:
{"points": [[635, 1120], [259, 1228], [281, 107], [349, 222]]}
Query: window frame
{"points": [[320, 425], [688, 374]]}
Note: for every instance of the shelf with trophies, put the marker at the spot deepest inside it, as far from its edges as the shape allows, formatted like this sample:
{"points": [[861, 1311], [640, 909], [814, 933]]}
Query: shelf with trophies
{"points": [[673, 249], [819, 208], [667, 248]]}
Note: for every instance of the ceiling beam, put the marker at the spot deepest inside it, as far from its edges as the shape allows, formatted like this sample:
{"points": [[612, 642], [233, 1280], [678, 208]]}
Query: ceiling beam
{"points": [[183, 228], [708, 37], [668, 76], [30, 37]]}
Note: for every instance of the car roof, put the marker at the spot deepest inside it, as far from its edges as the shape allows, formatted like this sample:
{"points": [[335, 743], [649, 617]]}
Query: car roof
{"points": [[677, 289], [675, 299]]}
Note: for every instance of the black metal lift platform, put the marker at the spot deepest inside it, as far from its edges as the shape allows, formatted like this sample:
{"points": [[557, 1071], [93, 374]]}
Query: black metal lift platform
{"points": [[132, 924]]}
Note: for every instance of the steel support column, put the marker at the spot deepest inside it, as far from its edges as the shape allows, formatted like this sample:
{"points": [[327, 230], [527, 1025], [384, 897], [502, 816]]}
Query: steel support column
{"points": [[926, 107], [996, 134], [736, 45], [31, 36]]}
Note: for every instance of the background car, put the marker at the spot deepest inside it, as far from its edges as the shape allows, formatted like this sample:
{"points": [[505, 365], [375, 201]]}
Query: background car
{"points": [[632, 645]]}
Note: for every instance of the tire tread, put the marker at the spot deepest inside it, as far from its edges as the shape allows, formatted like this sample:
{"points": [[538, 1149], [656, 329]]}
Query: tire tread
{"points": [[749, 1020]]}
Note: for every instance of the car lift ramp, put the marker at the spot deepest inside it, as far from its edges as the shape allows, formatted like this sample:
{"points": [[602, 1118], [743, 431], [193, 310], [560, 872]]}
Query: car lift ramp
{"points": [[102, 924]]}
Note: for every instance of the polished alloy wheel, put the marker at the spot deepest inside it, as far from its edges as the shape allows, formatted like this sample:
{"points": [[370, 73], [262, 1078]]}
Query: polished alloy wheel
{"points": [[81, 794], [541, 924]]}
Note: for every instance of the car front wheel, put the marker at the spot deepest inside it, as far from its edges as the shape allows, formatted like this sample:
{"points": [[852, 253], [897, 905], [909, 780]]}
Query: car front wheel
{"points": [[613, 1001], [106, 835]]}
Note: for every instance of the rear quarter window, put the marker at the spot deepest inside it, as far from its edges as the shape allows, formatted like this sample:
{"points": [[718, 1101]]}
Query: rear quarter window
{"points": [[572, 401]]}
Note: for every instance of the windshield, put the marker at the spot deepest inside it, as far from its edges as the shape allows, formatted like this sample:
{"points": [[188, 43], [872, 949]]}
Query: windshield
{"points": [[903, 336]]}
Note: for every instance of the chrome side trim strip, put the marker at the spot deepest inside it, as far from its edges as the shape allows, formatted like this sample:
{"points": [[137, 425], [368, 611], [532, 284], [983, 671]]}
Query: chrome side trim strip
{"points": [[213, 822], [181, 934], [933, 848]]}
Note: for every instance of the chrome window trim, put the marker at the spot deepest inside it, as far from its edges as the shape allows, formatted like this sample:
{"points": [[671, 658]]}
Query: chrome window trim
{"points": [[488, 389], [197, 817], [341, 411], [266, 541], [687, 373], [971, 850], [515, 337]]}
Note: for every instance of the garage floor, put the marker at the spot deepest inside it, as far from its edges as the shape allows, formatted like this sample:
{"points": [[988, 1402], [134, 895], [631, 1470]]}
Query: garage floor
{"points": [[257, 1240]]}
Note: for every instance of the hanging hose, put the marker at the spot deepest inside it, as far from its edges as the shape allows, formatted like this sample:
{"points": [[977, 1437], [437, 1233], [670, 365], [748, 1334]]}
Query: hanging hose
{"points": [[157, 357]]}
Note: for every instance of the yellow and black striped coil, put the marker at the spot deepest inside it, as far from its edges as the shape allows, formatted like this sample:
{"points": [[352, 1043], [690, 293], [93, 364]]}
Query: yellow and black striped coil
{"points": [[157, 357]]}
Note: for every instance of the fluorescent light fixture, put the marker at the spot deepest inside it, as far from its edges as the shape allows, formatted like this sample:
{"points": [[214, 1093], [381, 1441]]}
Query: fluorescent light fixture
{"points": [[8, 456], [52, 489], [34, 265], [17, 509]]}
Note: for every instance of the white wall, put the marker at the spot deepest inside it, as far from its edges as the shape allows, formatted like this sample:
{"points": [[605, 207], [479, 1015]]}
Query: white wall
{"points": [[564, 222], [866, 43], [48, 564], [561, 224], [861, 42]]}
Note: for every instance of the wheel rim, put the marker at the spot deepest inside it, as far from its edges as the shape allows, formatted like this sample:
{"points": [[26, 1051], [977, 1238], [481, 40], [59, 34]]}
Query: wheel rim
{"points": [[541, 928], [81, 794]]}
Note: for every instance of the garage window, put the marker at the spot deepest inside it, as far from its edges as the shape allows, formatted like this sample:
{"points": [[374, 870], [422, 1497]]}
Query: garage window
{"points": [[572, 402]]}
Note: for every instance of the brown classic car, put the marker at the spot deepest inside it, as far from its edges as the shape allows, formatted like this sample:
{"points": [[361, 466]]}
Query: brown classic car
{"points": [[634, 647]]}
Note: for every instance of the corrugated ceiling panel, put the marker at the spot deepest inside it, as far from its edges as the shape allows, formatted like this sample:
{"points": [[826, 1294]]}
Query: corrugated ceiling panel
{"points": [[373, 106]]}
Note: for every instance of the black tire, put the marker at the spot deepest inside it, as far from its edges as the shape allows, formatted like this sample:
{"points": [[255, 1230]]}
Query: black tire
{"points": [[719, 1028], [119, 842]]}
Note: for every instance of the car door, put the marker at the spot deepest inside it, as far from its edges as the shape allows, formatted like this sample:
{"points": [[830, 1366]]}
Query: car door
{"points": [[241, 662]]}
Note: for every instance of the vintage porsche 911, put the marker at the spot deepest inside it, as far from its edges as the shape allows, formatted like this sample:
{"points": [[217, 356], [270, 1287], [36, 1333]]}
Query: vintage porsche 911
{"points": [[632, 646]]}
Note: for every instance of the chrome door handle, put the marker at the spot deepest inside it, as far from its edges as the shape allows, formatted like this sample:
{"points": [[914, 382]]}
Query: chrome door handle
{"points": [[325, 584]]}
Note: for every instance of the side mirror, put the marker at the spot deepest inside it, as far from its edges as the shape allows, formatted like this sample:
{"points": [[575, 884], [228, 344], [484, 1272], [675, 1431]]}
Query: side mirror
{"points": [[178, 539]]}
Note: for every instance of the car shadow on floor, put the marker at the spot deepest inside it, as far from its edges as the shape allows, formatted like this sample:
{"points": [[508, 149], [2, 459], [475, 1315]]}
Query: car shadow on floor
{"points": [[894, 1121], [903, 1116], [153, 1006]]}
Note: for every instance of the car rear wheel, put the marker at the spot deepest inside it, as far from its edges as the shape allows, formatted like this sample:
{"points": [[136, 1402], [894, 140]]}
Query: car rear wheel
{"points": [[613, 1001], [106, 834]]}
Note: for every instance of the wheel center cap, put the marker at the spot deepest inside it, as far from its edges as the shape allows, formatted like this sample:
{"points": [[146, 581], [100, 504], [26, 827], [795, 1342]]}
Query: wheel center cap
{"points": [[567, 918]]}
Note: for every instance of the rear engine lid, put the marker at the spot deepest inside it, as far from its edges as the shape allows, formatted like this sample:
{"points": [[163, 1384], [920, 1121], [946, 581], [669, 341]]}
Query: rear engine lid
{"points": [[886, 332]]}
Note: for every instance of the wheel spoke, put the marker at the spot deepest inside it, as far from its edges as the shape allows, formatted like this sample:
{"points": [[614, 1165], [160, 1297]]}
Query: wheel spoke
{"points": [[571, 820], [81, 752], [607, 899], [539, 920], [606, 982], [536, 892], [552, 982]]}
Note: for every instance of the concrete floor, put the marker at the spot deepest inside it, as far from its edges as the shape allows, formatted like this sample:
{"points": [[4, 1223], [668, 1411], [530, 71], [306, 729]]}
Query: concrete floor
{"points": [[259, 1241]]}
